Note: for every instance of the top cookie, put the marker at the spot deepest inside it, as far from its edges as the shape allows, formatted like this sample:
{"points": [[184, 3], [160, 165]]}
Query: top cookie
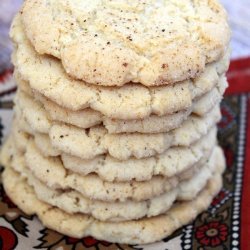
{"points": [[114, 42]]}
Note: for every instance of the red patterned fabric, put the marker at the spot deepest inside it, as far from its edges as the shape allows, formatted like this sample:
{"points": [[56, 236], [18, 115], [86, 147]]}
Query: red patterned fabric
{"points": [[239, 76], [239, 79], [245, 206]]}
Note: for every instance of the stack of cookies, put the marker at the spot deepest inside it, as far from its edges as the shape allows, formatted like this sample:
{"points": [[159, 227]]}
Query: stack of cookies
{"points": [[114, 130]]}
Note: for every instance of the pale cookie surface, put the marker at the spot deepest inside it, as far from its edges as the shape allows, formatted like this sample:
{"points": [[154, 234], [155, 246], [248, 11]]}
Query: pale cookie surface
{"points": [[87, 118], [51, 171], [44, 145], [56, 177], [115, 42], [132, 101], [89, 143], [33, 112], [174, 161], [213, 97], [130, 232], [109, 167], [19, 136], [73, 202]]}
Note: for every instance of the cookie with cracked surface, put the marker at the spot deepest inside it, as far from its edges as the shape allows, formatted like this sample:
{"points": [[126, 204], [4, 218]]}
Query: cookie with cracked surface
{"points": [[114, 42], [211, 98], [96, 141], [87, 118], [132, 101], [51, 171], [72, 201], [111, 169], [141, 231], [20, 135], [26, 109], [89, 143]]}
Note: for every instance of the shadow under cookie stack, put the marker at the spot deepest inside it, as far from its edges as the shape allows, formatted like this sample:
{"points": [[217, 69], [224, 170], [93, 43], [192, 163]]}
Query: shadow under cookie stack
{"points": [[114, 129]]}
